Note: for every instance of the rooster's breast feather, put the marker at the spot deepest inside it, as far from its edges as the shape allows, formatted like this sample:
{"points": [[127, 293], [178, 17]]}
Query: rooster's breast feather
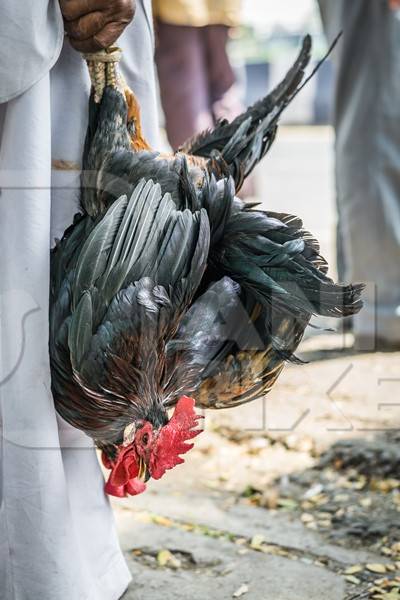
{"points": [[134, 276]]}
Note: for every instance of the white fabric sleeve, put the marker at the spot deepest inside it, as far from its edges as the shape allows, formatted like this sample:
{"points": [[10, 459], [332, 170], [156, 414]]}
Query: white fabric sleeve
{"points": [[31, 34]]}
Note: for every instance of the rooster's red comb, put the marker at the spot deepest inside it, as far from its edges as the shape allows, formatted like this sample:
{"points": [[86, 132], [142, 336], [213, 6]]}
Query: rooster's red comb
{"points": [[173, 437]]}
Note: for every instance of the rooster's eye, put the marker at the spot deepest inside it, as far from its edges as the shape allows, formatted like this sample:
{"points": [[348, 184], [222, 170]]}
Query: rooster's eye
{"points": [[145, 439]]}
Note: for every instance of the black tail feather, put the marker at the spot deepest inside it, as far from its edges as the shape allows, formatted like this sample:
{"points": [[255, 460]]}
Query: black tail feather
{"points": [[236, 148]]}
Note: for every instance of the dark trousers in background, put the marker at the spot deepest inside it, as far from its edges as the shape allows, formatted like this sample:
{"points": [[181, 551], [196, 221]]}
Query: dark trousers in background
{"points": [[367, 124], [197, 82]]}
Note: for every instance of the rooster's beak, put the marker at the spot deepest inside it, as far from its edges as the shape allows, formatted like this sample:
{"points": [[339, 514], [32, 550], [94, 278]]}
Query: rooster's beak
{"points": [[144, 474]]}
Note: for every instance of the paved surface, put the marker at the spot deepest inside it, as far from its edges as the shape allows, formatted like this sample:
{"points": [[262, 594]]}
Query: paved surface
{"points": [[234, 520], [292, 497], [260, 513], [297, 177]]}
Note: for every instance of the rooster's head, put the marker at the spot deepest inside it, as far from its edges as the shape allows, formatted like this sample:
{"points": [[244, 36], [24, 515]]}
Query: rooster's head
{"points": [[149, 451]]}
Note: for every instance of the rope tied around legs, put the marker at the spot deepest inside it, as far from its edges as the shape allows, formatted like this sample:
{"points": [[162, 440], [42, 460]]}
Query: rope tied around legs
{"points": [[103, 70]]}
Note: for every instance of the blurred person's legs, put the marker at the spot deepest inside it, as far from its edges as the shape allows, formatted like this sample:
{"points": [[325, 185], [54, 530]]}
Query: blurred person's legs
{"points": [[197, 82], [367, 121], [223, 88], [224, 92], [182, 71]]}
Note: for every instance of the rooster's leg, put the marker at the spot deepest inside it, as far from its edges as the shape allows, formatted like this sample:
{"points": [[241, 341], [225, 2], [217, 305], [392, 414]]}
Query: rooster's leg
{"points": [[134, 122], [104, 71]]}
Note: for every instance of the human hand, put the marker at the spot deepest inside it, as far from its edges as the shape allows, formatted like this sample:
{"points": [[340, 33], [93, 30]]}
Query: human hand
{"points": [[93, 25], [394, 4]]}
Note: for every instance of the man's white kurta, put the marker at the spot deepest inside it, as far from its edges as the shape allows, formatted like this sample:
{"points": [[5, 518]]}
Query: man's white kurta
{"points": [[57, 536]]}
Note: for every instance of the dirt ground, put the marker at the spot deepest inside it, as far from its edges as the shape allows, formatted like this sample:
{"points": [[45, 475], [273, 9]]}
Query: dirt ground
{"points": [[296, 496]]}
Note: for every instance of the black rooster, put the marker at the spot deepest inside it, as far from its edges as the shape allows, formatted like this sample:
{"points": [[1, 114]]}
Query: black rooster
{"points": [[169, 287]]}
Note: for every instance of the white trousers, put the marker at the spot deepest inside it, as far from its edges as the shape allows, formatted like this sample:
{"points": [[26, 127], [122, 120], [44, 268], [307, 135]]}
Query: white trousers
{"points": [[57, 535]]}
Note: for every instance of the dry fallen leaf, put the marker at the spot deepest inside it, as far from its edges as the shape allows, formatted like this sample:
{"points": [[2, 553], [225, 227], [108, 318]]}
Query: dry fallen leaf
{"points": [[352, 579], [385, 485], [376, 590], [257, 541], [241, 541], [320, 500], [388, 596], [287, 503], [376, 568], [241, 591], [315, 490], [165, 558], [307, 518], [270, 499], [366, 502], [270, 549], [354, 569], [325, 523], [163, 521], [341, 497], [360, 483]]}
